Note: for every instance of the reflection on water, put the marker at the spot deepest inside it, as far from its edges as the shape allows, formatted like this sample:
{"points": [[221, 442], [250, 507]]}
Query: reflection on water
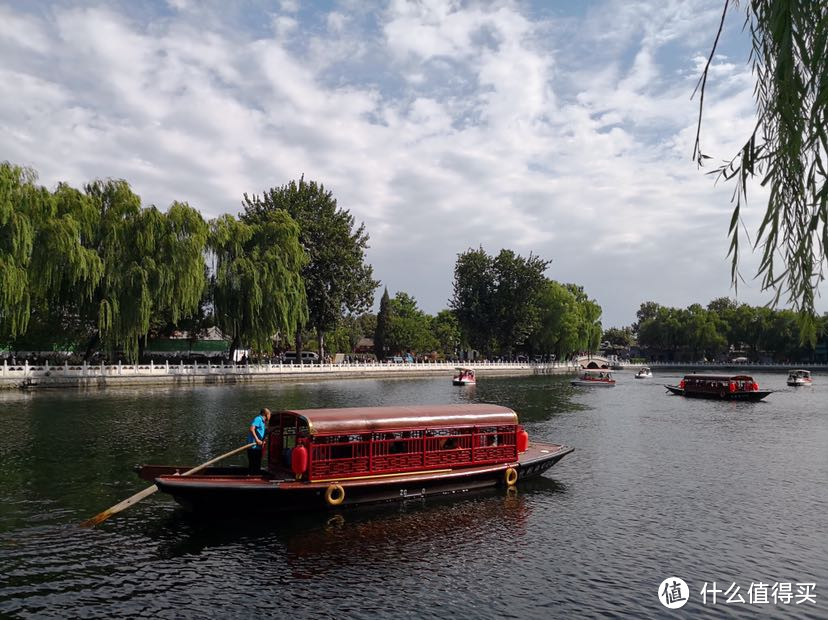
{"points": [[658, 486]]}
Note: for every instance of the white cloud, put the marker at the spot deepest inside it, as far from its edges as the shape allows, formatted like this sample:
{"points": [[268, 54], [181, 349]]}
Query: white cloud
{"points": [[441, 125], [21, 32]]}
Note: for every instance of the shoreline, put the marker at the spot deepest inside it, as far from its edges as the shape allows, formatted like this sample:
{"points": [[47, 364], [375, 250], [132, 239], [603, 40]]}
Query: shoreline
{"points": [[25, 377]]}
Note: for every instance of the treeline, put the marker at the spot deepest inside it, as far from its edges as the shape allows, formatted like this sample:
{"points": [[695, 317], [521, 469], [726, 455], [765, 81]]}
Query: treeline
{"points": [[502, 306], [92, 270], [723, 327]]}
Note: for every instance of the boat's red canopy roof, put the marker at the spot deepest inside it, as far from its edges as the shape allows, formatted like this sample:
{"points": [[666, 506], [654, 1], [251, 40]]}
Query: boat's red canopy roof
{"points": [[718, 377], [373, 419]]}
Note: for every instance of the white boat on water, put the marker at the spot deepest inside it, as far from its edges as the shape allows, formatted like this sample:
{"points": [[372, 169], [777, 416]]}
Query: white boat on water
{"points": [[465, 377], [798, 378], [644, 373], [594, 377]]}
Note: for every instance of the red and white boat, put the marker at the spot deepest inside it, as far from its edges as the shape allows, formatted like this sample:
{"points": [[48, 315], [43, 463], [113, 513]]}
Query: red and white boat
{"points": [[798, 378], [465, 376], [324, 458], [594, 377]]}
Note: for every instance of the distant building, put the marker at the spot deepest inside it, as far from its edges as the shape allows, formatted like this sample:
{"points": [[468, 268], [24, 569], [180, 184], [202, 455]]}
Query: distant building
{"points": [[208, 344], [364, 345]]}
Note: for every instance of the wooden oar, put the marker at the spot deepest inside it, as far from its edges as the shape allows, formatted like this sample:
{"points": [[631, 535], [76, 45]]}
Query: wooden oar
{"points": [[134, 499]]}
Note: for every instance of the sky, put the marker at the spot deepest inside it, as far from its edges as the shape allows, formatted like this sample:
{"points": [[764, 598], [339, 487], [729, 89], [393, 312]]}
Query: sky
{"points": [[561, 129]]}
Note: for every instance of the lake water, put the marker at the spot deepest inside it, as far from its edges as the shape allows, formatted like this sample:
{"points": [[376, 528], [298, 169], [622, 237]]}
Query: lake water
{"points": [[658, 486]]}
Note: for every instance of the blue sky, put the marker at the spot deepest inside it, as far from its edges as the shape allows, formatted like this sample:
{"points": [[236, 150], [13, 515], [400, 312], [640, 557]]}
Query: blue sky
{"points": [[559, 128]]}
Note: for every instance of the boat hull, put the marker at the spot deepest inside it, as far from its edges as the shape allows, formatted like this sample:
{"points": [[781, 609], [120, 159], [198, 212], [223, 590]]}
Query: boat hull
{"points": [[799, 383], [583, 383], [462, 382], [725, 395], [212, 494]]}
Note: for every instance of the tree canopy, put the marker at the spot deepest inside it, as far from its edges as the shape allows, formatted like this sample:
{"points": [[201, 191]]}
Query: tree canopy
{"points": [[504, 303], [94, 263], [569, 321], [258, 288], [695, 332], [337, 278], [409, 327], [495, 298], [383, 326]]}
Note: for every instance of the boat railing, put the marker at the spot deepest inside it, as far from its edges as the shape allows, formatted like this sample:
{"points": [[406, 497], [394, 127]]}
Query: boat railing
{"points": [[382, 453]]}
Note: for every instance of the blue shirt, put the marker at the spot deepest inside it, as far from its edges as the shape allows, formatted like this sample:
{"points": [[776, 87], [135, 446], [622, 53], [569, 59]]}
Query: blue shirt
{"points": [[258, 424]]}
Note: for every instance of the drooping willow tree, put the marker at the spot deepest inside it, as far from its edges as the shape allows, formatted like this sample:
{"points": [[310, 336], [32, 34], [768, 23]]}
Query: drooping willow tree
{"points": [[153, 264], [46, 263], [94, 266], [787, 149], [18, 199], [258, 290]]}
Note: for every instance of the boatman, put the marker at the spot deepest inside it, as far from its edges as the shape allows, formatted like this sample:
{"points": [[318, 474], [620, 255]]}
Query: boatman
{"points": [[258, 427]]}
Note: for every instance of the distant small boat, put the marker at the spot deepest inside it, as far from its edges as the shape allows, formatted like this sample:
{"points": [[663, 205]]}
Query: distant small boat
{"points": [[644, 373], [723, 387], [465, 377], [798, 378], [594, 378]]}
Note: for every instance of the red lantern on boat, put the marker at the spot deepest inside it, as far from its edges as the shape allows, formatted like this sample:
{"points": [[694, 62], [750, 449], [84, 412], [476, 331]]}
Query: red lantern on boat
{"points": [[755, 386], [681, 384], [732, 386], [299, 460], [522, 440]]}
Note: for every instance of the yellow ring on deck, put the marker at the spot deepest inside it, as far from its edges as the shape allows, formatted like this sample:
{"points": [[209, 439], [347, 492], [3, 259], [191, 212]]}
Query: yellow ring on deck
{"points": [[334, 494], [511, 476]]}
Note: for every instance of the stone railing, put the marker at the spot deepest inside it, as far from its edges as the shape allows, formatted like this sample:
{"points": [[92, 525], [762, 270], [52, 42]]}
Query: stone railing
{"points": [[746, 365], [25, 371]]}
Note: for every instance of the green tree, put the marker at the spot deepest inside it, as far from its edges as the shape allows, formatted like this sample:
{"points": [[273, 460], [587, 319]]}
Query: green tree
{"points": [[473, 300], [409, 328], [589, 328], [782, 339], [20, 200], [153, 264], [664, 330], [446, 331], [703, 334], [96, 266], [45, 258], [383, 327], [559, 324], [337, 278], [619, 337], [647, 310], [258, 286], [518, 284], [496, 298], [786, 149]]}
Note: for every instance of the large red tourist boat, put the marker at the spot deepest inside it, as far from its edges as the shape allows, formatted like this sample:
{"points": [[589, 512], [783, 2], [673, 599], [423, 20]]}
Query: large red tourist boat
{"points": [[724, 387], [319, 458]]}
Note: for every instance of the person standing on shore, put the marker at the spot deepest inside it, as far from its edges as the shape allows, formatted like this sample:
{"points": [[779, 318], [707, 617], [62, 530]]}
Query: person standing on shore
{"points": [[258, 428]]}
